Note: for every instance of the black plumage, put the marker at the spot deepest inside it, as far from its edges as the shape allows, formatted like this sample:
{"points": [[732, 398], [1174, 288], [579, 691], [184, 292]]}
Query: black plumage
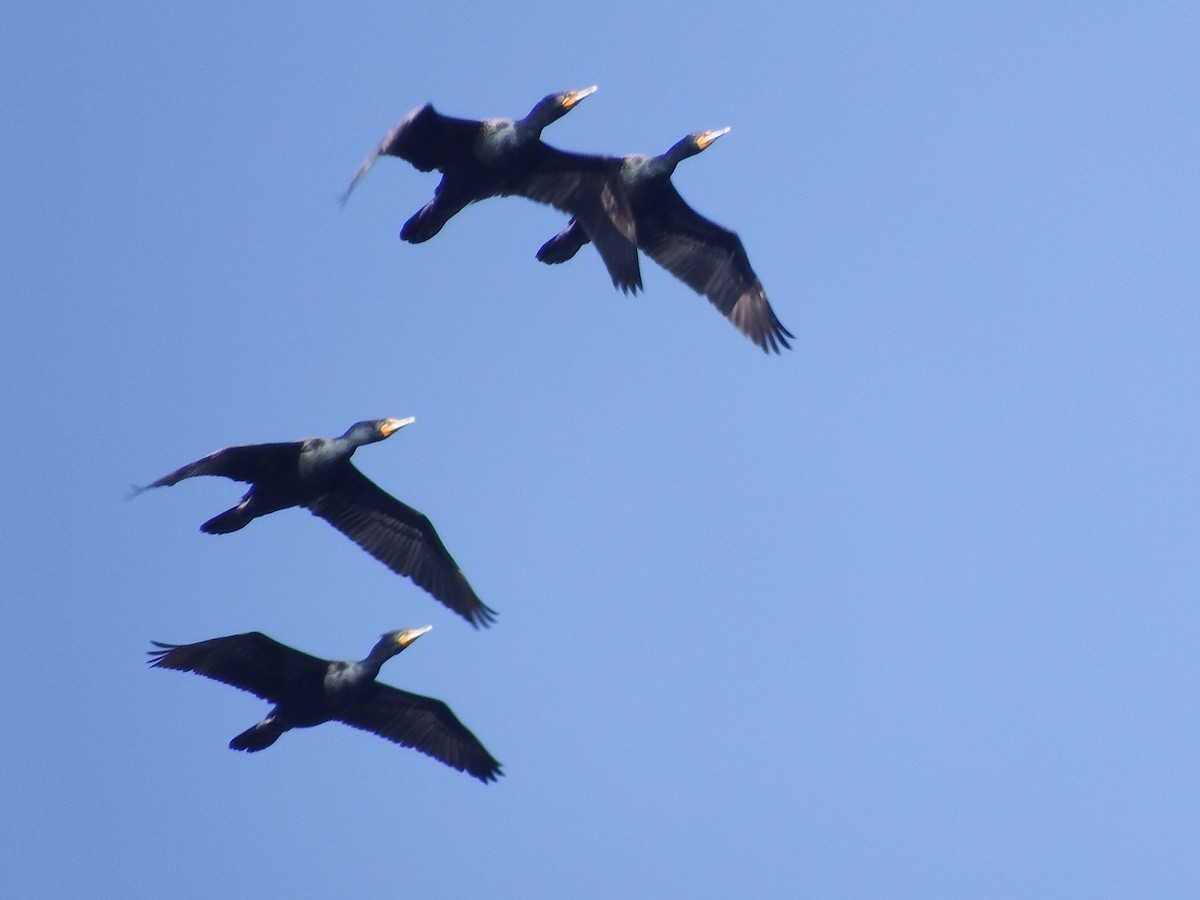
{"points": [[308, 691], [706, 257], [504, 157], [317, 474]]}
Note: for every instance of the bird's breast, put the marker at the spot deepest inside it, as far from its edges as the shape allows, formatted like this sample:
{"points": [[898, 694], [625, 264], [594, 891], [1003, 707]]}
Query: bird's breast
{"points": [[341, 677]]}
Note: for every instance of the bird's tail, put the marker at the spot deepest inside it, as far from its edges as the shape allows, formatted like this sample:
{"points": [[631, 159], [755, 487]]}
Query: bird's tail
{"points": [[231, 520], [258, 737]]}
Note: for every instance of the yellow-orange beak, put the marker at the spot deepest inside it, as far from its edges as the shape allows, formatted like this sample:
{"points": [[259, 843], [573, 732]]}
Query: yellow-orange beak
{"points": [[574, 97], [708, 137], [392, 425], [409, 635]]}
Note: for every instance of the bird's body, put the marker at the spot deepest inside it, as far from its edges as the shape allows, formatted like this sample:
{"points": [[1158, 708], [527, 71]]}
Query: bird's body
{"points": [[307, 691], [317, 474], [702, 254], [503, 157]]}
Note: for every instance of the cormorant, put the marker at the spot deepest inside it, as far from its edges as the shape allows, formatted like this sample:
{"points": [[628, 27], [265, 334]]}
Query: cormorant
{"points": [[317, 474], [501, 157], [307, 691], [706, 257]]}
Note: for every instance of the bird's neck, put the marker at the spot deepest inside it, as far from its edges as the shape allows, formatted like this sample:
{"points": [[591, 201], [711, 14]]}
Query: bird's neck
{"points": [[667, 166], [345, 445], [381, 653], [677, 154], [539, 117]]}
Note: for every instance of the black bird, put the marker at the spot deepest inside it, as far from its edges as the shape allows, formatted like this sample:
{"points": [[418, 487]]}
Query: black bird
{"points": [[502, 157], [317, 474], [307, 691], [706, 257]]}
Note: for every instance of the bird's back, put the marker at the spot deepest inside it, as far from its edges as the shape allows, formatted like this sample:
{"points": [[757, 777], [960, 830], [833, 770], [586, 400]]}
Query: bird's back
{"points": [[643, 178]]}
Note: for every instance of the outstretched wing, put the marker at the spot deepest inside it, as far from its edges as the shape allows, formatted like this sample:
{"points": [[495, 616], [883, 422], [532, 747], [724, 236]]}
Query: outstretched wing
{"points": [[248, 463], [589, 189], [424, 724], [712, 261], [251, 661], [425, 138], [402, 539]]}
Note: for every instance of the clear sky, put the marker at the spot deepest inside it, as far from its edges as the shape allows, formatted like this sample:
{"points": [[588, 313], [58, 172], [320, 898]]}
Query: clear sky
{"points": [[911, 610]]}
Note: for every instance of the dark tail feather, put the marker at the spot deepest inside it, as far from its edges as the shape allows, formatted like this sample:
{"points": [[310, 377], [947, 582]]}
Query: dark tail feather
{"points": [[231, 520], [257, 737], [620, 255]]}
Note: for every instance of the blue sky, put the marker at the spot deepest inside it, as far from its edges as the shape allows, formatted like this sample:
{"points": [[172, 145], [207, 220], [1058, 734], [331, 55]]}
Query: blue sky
{"points": [[908, 611]]}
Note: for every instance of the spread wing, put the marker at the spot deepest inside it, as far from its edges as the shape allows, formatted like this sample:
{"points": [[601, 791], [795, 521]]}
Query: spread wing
{"points": [[712, 261], [424, 724], [425, 138], [251, 661], [247, 463], [402, 539]]}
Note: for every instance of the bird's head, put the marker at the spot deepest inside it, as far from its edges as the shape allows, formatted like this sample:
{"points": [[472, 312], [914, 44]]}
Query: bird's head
{"points": [[391, 643], [408, 635], [691, 145], [398, 640], [567, 99], [372, 430], [704, 138], [554, 106]]}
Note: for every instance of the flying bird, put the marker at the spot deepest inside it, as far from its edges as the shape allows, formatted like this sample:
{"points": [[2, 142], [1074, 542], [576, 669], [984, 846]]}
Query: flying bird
{"points": [[317, 474], [307, 691], [706, 257], [503, 157]]}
